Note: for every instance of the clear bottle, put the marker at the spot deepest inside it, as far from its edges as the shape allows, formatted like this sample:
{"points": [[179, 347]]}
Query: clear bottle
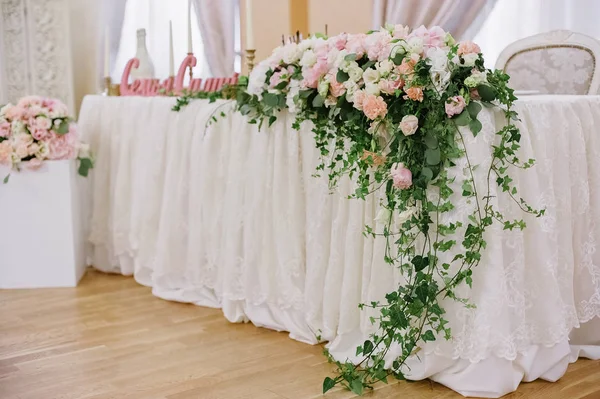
{"points": [[146, 68]]}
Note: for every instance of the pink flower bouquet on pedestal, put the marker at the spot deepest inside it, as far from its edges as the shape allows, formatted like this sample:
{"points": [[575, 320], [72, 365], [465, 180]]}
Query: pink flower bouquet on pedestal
{"points": [[39, 129]]}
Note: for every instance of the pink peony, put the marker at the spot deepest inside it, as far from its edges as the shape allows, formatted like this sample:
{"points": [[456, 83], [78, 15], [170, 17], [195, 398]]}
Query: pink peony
{"points": [[374, 106], [433, 37], [402, 176], [14, 113], [338, 42], [475, 94], [455, 105], [414, 93], [65, 146], [5, 152], [388, 86], [468, 47], [4, 129], [359, 99], [314, 73], [356, 45]]}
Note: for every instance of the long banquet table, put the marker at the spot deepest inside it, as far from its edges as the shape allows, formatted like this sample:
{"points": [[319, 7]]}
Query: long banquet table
{"points": [[224, 215]]}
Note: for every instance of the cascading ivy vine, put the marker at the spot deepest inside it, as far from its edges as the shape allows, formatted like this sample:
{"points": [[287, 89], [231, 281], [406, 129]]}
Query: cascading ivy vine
{"points": [[387, 110]]}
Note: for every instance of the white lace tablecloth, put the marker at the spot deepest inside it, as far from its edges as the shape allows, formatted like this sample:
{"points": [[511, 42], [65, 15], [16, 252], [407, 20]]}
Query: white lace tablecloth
{"points": [[231, 217]]}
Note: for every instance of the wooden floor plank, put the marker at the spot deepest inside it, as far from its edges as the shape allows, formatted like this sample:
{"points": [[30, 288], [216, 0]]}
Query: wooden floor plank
{"points": [[110, 338]]}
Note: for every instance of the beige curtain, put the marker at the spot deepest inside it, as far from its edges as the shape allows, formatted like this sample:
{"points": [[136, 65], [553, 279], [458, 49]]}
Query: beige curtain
{"points": [[216, 20], [461, 18]]}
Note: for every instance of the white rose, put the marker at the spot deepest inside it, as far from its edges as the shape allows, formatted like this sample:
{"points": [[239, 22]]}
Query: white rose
{"points": [[371, 76], [84, 150], [440, 80], [354, 72], [469, 59], [409, 125], [449, 39], [372, 88], [414, 45], [323, 87], [385, 67], [308, 59], [383, 215], [17, 127], [256, 83]]}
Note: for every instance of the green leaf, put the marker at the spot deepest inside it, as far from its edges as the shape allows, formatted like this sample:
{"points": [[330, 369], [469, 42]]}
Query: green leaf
{"points": [[420, 262], [367, 347], [427, 174], [281, 85], [318, 101], [397, 60], [63, 128], [350, 57], [462, 119], [367, 65], [328, 383], [6, 178], [85, 164], [475, 126], [487, 93], [357, 387], [428, 336], [433, 156], [474, 108], [271, 99], [430, 140], [305, 93], [272, 119], [341, 76]]}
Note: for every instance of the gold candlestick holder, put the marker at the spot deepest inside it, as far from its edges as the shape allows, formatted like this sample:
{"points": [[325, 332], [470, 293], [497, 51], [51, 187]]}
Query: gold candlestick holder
{"points": [[250, 55], [109, 88]]}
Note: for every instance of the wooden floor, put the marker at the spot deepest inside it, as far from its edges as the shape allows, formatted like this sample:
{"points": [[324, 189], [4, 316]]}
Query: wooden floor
{"points": [[110, 338]]}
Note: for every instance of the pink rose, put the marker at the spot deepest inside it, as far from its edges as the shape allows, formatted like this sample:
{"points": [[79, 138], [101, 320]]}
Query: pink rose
{"points": [[374, 107], [21, 150], [63, 147], [5, 153], [414, 93], [41, 134], [276, 79], [402, 176], [4, 129], [314, 73], [433, 37], [409, 125], [34, 148], [33, 164], [474, 94], [388, 86], [407, 67], [14, 113], [338, 42], [359, 99], [30, 101], [337, 89], [468, 47], [42, 123], [455, 105]]}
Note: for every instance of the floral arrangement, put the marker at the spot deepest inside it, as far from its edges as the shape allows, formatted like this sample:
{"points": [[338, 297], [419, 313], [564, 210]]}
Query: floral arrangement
{"points": [[39, 129], [391, 108]]}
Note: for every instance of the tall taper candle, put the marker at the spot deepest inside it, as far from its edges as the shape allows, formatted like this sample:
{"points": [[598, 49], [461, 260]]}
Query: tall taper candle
{"points": [[190, 47], [249, 30], [106, 53], [171, 57]]}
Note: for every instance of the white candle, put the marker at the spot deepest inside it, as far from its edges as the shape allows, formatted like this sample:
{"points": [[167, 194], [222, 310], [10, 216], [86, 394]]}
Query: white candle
{"points": [[249, 31], [171, 57], [106, 53], [190, 47]]}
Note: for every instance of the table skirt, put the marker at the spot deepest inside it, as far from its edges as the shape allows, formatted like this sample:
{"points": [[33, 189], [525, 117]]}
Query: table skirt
{"points": [[224, 215]]}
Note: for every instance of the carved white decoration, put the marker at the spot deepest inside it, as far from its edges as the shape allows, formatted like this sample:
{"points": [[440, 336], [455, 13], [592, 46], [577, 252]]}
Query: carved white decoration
{"points": [[36, 49], [557, 62]]}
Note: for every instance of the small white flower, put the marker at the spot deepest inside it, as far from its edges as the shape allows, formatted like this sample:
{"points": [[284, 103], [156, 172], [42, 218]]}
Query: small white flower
{"points": [[414, 45], [323, 88], [440, 80], [469, 59], [291, 53], [351, 88], [437, 58], [309, 58], [354, 72], [385, 67], [371, 76], [449, 40]]}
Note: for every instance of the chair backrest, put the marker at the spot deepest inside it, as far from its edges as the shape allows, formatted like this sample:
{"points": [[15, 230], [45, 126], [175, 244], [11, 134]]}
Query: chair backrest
{"points": [[557, 62]]}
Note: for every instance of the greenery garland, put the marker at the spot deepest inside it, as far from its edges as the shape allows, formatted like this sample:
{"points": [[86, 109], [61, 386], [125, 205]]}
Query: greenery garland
{"points": [[369, 151]]}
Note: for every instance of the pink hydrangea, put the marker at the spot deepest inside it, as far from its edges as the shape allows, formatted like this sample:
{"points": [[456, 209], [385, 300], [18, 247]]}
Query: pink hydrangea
{"points": [[314, 73], [468, 47], [433, 37], [4, 129], [401, 176], [64, 146], [455, 105], [377, 45], [374, 106], [356, 45], [14, 113], [338, 42], [359, 99]]}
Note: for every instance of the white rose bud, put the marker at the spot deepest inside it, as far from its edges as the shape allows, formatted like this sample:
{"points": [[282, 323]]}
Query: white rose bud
{"points": [[355, 73], [373, 88], [385, 67], [371, 76], [323, 88]]}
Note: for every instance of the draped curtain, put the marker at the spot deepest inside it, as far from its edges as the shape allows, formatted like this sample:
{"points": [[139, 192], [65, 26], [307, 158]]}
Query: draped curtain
{"points": [[113, 16], [459, 17], [216, 20]]}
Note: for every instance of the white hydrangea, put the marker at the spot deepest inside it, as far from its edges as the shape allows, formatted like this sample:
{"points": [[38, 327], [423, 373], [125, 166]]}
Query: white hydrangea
{"points": [[258, 77], [309, 58], [437, 58], [384, 67], [414, 45], [292, 53], [292, 99]]}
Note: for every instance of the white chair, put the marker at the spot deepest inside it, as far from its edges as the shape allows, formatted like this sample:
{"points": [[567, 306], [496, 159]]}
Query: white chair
{"points": [[557, 62]]}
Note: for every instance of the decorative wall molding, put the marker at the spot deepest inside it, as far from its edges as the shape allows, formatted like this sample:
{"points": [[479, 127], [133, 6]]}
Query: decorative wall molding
{"points": [[36, 49]]}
